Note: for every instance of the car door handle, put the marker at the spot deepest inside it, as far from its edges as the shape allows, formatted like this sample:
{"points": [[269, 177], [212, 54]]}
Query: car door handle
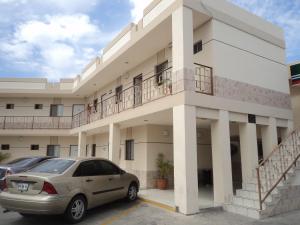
{"points": [[88, 180], [110, 179]]}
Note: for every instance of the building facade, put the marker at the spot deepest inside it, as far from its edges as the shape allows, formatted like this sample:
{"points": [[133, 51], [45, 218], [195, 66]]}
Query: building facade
{"points": [[203, 82]]}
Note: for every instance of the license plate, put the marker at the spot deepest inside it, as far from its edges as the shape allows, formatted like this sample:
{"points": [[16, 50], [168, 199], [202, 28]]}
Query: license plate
{"points": [[23, 187]]}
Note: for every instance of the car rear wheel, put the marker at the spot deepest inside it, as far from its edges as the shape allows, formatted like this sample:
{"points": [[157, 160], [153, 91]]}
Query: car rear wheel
{"points": [[76, 209], [132, 192]]}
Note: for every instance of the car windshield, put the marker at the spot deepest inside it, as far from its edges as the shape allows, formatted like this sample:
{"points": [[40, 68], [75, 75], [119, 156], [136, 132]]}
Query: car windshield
{"points": [[22, 162], [54, 166]]}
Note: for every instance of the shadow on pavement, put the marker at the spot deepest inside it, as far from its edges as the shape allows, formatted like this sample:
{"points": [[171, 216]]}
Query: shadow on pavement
{"points": [[94, 216]]}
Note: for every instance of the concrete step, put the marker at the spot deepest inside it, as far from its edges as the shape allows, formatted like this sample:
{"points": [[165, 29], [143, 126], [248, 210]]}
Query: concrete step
{"points": [[253, 195], [244, 211]]}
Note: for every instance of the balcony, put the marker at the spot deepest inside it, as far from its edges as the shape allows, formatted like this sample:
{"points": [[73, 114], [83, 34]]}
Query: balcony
{"points": [[35, 122], [148, 90]]}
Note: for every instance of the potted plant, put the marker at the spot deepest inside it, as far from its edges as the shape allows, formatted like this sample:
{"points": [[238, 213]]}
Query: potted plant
{"points": [[164, 169]]}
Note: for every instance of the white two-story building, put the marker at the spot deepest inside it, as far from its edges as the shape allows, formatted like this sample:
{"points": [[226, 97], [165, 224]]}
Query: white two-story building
{"points": [[201, 81]]}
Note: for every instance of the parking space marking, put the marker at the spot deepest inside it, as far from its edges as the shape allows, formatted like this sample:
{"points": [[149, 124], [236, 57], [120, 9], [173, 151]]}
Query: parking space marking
{"points": [[121, 214], [158, 204]]}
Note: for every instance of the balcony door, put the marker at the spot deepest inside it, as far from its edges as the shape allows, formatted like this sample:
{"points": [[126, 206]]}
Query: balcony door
{"points": [[138, 89], [77, 108]]}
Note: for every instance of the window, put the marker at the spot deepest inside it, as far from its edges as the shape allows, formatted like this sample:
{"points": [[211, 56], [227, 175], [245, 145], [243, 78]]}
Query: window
{"points": [[295, 73], [38, 106], [94, 150], [56, 110], [107, 168], [129, 150], [87, 168], [197, 47], [5, 147], [159, 71], [53, 150], [119, 94], [34, 147], [10, 106], [53, 166]]}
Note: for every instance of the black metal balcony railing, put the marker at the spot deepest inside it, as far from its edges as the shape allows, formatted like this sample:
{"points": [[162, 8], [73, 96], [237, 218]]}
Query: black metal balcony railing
{"points": [[152, 88], [35, 122]]}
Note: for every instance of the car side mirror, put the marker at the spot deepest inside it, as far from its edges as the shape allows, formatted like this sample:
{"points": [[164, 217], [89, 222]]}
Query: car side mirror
{"points": [[122, 172]]}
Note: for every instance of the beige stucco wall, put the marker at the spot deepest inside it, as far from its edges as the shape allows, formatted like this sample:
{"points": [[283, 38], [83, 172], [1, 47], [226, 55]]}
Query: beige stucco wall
{"points": [[240, 56], [25, 106], [20, 146]]}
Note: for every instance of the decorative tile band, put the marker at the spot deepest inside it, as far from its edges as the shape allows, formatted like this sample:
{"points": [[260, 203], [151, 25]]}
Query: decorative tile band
{"points": [[227, 88]]}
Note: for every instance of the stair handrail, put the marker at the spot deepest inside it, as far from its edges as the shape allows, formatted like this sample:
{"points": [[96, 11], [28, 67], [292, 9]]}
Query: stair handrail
{"points": [[262, 199]]}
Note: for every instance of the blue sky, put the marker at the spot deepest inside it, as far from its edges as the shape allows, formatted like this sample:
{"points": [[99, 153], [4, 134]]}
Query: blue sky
{"points": [[57, 38]]}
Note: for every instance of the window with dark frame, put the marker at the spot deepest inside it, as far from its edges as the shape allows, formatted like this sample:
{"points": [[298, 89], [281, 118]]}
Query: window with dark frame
{"points": [[53, 150], [198, 47], [129, 150], [10, 106], [159, 71], [5, 147], [94, 150], [34, 147], [38, 106], [119, 90]]}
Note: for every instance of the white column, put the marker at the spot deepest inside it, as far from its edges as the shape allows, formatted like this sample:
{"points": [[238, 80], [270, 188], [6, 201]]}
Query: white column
{"points": [[114, 143], [185, 159], [285, 131], [81, 144], [249, 150], [182, 50], [221, 155], [269, 137]]}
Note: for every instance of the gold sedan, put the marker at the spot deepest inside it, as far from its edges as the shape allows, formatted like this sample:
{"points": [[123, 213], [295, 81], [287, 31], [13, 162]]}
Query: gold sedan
{"points": [[67, 186]]}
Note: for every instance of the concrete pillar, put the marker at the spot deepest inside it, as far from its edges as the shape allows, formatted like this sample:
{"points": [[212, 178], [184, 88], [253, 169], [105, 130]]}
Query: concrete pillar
{"points": [[185, 159], [221, 157], [249, 150], [182, 50], [285, 131], [269, 137], [81, 144], [114, 143]]}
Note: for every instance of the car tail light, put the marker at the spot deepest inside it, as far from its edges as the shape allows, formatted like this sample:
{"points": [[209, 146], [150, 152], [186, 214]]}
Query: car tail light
{"points": [[49, 188]]}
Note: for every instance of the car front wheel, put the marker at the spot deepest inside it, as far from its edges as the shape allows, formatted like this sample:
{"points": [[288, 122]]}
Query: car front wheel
{"points": [[132, 192], [76, 210]]}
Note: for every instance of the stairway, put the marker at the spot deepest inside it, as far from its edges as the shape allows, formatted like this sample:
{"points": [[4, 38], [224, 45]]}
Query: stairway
{"points": [[274, 187]]}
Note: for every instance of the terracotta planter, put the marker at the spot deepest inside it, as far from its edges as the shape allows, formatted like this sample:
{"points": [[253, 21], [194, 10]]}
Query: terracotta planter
{"points": [[162, 184]]}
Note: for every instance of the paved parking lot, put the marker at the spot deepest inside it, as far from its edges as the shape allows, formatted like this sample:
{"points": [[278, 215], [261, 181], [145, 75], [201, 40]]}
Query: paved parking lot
{"points": [[122, 213]]}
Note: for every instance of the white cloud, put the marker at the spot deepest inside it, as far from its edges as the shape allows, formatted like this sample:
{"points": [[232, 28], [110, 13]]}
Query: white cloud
{"points": [[60, 45], [138, 8], [71, 28]]}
